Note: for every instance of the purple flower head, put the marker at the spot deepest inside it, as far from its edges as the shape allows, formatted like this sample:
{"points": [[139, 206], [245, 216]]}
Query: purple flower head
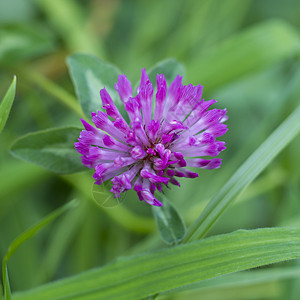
{"points": [[159, 144]]}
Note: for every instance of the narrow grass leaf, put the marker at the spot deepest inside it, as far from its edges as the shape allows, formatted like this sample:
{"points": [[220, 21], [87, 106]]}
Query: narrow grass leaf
{"points": [[61, 238], [89, 74], [169, 223], [166, 269], [52, 149], [249, 170], [246, 278], [6, 103], [26, 236]]}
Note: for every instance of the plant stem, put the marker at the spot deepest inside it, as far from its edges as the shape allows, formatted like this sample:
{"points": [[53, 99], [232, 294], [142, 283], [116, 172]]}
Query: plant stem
{"points": [[120, 214], [60, 94]]}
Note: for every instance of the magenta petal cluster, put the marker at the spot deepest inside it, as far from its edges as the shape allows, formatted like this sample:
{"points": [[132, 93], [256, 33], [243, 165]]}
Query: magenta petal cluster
{"points": [[163, 138]]}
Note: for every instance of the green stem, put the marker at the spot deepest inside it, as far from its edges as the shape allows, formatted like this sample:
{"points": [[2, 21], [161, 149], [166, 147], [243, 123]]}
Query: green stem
{"points": [[120, 214], [60, 94]]}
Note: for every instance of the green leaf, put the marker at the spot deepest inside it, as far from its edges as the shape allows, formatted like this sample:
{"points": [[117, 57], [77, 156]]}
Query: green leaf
{"points": [[32, 231], [144, 275], [169, 67], [247, 52], [249, 170], [52, 149], [245, 278], [6, 103], [89, 74], [169, 223]]}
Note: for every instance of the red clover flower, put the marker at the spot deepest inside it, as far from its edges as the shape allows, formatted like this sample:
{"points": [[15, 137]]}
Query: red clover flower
{"points": [[159, 143]]}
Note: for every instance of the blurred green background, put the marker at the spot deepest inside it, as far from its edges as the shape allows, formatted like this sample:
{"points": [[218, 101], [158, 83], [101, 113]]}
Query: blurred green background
{"points": [[247, 56]]}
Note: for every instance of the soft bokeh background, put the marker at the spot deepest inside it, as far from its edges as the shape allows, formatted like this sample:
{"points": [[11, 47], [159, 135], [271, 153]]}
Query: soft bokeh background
{"points": [[245, 53]]}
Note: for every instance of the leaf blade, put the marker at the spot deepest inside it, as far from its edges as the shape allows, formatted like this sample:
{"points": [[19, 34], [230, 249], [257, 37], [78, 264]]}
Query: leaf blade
{"points": [[168, 222], [89, 74], [245, 278], [169, 67], [29, 233], [52, 149], [251, 168], [7, 102], [144, 275]]}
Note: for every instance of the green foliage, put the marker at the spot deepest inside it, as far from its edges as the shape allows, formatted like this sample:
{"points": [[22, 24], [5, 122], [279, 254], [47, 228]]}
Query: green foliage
{"points": [[251, 168], [247, 278], [247, 52], [68, 18], [246, 55], [89, 75], [141, 276], [6, 103], [28, 234], [22, 42], [169, 223], [169, 67], [52, 149]]}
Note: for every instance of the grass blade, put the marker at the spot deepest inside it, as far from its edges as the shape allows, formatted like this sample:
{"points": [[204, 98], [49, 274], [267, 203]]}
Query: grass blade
{"points": [[246, 278], [140, 276], [6, 103], [251, 168], [26, 236]]}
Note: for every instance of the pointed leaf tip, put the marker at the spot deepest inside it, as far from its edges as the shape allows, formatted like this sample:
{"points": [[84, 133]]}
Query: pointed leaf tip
{"points": [[168, 221], [7, 102]]}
